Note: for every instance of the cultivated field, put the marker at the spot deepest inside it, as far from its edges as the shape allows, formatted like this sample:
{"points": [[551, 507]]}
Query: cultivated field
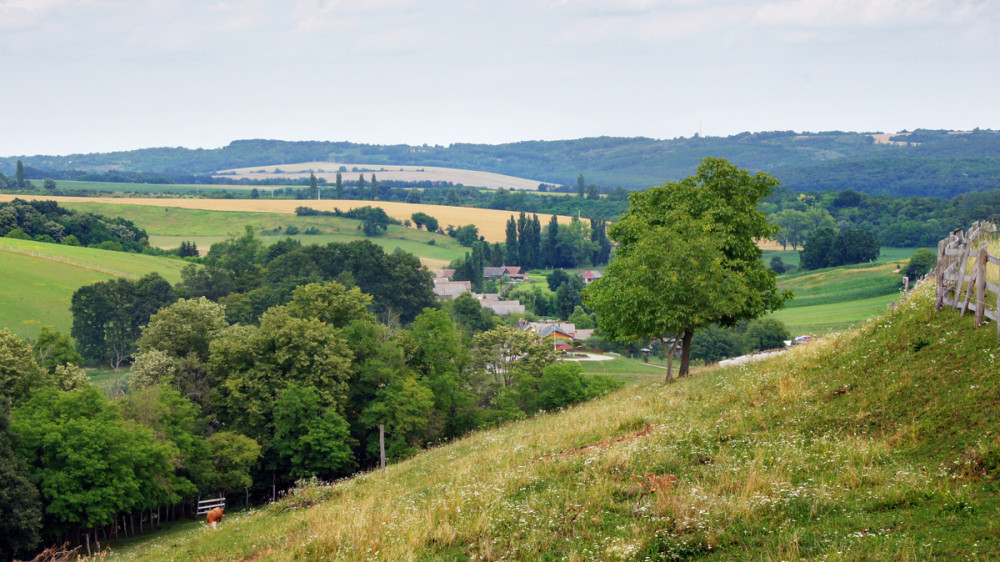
{"points": [[36, 289], [383, 172], [491, 223]]}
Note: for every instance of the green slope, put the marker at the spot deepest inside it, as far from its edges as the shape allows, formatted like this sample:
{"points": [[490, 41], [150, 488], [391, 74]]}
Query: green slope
{"points": [[169, 226], [832, 299], [35, 290], [881, 444]]}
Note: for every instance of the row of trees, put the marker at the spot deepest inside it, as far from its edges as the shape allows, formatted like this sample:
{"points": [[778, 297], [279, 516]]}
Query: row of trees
{"points": [[826, 247], [568, 245]]}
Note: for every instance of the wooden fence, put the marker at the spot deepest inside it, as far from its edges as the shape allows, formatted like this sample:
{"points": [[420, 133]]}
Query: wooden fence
{"points": [[953, 276], [204, 506]]}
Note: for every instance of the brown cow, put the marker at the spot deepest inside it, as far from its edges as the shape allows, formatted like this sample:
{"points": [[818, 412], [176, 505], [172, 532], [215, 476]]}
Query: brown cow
{"points": [[214, 516]]}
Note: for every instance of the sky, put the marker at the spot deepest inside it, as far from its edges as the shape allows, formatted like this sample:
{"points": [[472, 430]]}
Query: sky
{"points": [[86, 76]]}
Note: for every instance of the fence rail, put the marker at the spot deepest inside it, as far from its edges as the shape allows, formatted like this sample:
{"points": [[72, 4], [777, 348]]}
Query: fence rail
{"points": [[953, 277], [204, 506], [85, 265]]}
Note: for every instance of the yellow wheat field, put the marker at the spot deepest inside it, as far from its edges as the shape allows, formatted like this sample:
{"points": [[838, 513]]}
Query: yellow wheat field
{"points": [[491, 223]]}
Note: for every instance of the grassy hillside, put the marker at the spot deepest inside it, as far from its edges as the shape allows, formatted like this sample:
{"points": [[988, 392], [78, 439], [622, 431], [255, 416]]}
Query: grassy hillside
{"points": [[832, 299], [169, 226], [491, 222], [36, 290], [878, 444]]}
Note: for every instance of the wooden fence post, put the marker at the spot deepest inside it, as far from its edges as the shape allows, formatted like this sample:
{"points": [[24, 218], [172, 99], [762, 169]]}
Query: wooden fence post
{"points": [[939, 274], [981, 260], [381, 445]]}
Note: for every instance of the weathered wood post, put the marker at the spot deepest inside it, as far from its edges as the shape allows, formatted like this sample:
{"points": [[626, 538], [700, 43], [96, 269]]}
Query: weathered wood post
{"points": [[381, 445], [981, 260], [939, 274]]}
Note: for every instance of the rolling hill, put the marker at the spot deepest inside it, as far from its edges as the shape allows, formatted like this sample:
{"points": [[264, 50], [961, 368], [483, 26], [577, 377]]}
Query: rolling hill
{"points": [[491, 222], [878, 444], [924, 162], [328, 171], [40, 279]]}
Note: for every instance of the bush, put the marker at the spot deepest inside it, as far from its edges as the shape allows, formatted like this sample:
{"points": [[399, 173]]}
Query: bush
{"points": [[109, 245], [921, 262], [766, 333], [18, 234], [561, 384]]}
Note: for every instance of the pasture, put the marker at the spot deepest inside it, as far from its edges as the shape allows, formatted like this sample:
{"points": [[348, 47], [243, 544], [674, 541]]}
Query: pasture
{"points": [[168, 227], [491, 223], [832, 299], [150, 188], [37, 289], [383, 172]]}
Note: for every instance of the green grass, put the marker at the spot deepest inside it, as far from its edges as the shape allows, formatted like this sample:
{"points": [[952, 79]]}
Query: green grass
{"points": [[887, 255], [625, 369], [36, 291], [109, 381], [169, 226], [832, 317], [832, 299], [879, 444], [148, 188]]}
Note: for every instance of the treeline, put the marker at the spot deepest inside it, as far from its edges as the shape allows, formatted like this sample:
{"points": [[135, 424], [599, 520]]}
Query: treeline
{"points": [[947, 163], [223, 399], [46, 221], [896, 221]]}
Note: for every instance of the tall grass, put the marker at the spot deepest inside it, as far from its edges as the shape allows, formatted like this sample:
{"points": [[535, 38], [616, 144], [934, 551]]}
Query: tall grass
{"points": [[876, 444]]}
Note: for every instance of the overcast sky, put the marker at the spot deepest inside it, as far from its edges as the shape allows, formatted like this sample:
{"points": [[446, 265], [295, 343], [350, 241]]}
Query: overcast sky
{"points": [[101, 75]]}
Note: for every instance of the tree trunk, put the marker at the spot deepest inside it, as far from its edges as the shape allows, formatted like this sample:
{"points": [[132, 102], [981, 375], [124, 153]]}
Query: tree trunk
{"points": [[685, 353], [670, 357]]}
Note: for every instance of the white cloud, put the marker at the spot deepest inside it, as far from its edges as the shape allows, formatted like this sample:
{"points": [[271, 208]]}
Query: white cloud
{"points": [[342, 15]]}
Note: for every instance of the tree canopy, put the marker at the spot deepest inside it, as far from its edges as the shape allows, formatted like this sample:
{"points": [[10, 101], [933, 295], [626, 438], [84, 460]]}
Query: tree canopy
{"points": [[688, 258]]}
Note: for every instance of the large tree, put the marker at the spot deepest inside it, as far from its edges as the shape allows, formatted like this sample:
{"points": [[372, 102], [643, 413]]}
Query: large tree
{"points": [[688, 258]]}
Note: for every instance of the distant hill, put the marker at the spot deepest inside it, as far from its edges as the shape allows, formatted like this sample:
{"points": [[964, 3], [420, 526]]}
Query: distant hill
{"points": [[922, 162]]}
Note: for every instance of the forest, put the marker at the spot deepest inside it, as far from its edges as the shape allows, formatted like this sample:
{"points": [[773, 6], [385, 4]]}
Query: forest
{"points": [[932, 163]]}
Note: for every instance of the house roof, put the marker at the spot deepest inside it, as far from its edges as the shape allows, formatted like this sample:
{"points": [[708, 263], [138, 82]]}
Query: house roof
{"points": [[514, 271], [446, 273], [493, 272], [445, 290], [591, 274], [554, 330]]}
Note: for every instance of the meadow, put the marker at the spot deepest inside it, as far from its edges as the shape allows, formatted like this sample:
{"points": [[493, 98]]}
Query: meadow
{"points": [[37, 289], [831, 299], [845, 449], [491, 223], [168, 227]]}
